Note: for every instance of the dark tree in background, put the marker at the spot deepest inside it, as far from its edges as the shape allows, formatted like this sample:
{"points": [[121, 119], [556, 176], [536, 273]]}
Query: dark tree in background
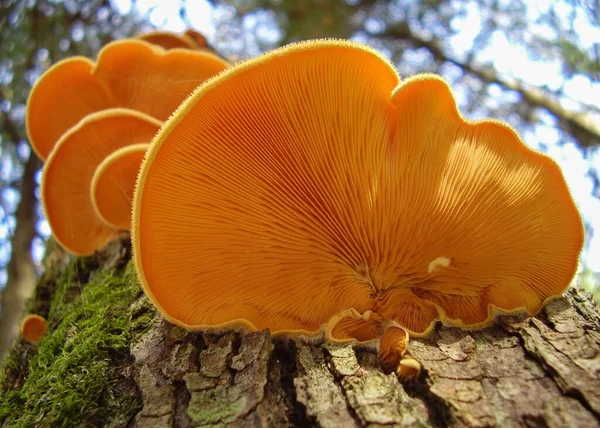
{"points": [[416, 35], [35, 35]]}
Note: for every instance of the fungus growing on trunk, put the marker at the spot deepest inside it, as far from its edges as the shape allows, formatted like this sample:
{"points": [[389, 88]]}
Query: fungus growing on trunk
{"points": [[64, 94], [310, 181], [147, 78], [68, 174], [33, 328], [128, 73], [113, 184]]}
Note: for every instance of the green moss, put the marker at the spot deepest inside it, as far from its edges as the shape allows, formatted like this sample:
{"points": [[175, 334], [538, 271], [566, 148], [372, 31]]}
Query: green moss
{"points": [[77, 377]]}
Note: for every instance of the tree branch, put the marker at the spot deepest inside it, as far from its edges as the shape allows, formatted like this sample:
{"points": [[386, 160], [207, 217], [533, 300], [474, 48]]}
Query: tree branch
{"points": [[580, 125]]}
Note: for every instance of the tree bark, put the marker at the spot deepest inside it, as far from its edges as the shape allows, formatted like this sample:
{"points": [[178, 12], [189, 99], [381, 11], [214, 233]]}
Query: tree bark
{"points": [[540, 371]]}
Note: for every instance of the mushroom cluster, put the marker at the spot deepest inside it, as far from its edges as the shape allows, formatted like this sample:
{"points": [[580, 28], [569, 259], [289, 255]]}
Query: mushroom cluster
{"points": [[91, 121], [310, 190]]}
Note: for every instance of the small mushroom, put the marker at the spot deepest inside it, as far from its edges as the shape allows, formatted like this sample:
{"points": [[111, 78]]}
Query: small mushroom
{"points": [[147, 78], [68, 174], [34, 328], [392, 346], [113, 184], [351, 325], [64, 94], [408, 370], [168, 40], [310, 181]]}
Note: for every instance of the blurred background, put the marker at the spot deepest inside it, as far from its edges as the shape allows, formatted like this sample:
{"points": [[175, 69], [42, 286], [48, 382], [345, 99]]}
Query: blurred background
{"points": [[534, 64]]}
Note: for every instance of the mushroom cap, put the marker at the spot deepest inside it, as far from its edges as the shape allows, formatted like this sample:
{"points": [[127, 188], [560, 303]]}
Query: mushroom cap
{"points": [[113, 184], [198, 38], [350, 325], [34, 328], [168, 40], [68, 174], [64, 94], [393, 346], [310, 180], [128, 73], [408, 370], [147, 78]]}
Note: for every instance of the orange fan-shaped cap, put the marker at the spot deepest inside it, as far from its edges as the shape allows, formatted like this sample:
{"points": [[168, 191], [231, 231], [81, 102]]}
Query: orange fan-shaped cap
{"points": [[168, 40], [310, 180], [64, 94], [33, 328], [70, 168], [149, 79], [113, 184]]}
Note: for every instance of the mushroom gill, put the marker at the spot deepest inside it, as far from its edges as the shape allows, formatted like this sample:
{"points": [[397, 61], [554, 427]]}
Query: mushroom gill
{"points": [[113, 184], [68, 174], [350, 325], [310, 181]]}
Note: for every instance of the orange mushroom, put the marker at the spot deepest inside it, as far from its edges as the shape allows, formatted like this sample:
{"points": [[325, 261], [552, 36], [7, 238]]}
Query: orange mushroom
{"points": [[68, 174], [113, 184], [310, 181], [371, 327], [197, 37], [34, 328], [128, 73], [351, 325], [64, 94], [168, 40], [393, 346], [408, 369], [149, 79]]}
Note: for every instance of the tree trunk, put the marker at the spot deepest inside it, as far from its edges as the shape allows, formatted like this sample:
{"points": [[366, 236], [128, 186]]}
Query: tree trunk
{"points": [[20, 268], [541, 371]]}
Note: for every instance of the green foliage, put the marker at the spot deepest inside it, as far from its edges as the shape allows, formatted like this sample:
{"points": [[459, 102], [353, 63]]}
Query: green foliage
{"points": [[75, 377], [577, 60]]}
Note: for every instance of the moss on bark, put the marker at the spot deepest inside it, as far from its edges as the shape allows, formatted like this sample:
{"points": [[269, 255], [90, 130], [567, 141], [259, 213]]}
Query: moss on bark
{"points": [[110, 360], [77, 374]]}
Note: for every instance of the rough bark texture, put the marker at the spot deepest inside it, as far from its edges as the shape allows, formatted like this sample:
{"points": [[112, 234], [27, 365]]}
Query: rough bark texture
{"points": [[542, 371]]}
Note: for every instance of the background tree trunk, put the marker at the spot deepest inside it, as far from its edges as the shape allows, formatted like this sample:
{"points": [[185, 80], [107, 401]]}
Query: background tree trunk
{"points": [[20, 268], [542, 371]]}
